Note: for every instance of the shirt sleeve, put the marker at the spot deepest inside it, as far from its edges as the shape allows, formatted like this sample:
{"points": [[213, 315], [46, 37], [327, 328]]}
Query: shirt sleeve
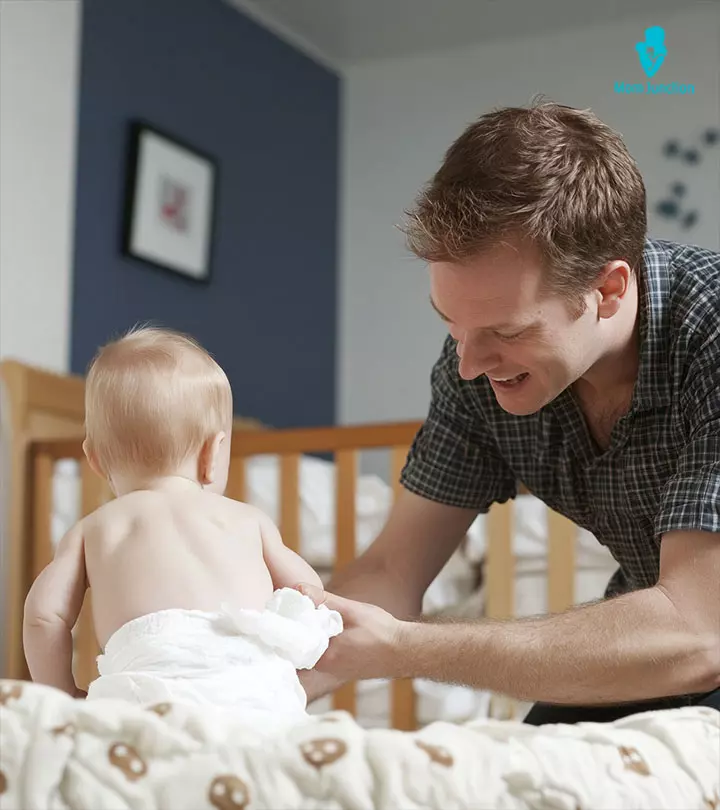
{"points": [[454, 458], [691, 499]]}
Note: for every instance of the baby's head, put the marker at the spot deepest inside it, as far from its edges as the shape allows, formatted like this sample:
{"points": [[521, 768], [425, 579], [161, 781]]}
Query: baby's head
{"points": [[158, 405]]}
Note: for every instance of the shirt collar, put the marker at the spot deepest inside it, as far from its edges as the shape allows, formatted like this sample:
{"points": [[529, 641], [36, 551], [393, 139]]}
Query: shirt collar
{"points": [[653, 388]]}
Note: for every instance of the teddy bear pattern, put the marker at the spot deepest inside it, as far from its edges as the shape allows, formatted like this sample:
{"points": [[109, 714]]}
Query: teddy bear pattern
{"points": [[228, 792], [126, 759]]}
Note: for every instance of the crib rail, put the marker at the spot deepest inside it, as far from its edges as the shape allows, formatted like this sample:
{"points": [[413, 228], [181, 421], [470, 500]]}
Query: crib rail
{"points": [[345, 444]]}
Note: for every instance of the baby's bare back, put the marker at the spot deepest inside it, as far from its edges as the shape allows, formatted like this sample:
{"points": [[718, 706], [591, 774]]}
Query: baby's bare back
{"points": [[150, 551]]}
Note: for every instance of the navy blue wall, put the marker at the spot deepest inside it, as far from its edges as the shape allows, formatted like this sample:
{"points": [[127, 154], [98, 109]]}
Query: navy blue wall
{"points": [[200, 70]]}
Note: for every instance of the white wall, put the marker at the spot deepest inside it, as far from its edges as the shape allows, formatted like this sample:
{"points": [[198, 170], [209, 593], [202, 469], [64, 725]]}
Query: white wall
{"points": [[401, 115], [39, 52]]}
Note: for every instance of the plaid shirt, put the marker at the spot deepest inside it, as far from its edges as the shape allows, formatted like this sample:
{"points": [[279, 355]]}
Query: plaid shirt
{"points": [[661, 471]]}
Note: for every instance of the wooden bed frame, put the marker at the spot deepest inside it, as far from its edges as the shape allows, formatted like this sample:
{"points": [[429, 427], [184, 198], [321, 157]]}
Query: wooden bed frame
{"points": [[46, 424]]}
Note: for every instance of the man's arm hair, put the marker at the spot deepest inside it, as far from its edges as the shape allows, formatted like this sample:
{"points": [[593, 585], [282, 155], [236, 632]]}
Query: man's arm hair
{"points": [[657, 642]]}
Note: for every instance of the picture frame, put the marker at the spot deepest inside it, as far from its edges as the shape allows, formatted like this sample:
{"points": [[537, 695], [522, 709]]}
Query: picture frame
{"points": [[170, 203]]}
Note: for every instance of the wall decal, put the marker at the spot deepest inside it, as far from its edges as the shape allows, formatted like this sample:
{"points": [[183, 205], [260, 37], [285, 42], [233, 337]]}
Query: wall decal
{"points": [[675, 204]]}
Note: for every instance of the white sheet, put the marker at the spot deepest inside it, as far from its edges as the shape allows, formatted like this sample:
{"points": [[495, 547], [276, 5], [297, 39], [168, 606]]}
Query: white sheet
{"points": [[530, 536]]}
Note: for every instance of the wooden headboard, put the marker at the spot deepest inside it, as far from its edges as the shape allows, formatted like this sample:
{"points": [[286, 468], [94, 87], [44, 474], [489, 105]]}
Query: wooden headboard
{"points": [[43, 406]]}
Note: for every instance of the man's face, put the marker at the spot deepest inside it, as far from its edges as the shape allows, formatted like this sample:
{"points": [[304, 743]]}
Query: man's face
{"points": [[526, 340]]}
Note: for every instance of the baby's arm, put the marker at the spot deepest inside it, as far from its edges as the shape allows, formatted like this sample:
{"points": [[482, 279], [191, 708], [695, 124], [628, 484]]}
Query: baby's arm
{"points": [[51, 610], [287, 568]]}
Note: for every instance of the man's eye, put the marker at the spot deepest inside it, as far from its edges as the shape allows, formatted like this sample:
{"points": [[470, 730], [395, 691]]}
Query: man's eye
{"points": [[514, 336]]}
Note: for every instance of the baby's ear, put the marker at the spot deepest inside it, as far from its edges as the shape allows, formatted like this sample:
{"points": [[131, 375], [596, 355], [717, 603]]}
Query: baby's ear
{"points": [[208, 459], [92, 460]]}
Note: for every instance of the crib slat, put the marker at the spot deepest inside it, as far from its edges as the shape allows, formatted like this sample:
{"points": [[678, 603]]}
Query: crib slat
{"points": [[403, 708], [346, 464], [95, 493], [344, 699], [290, 500], [346, 486], [398, 456], [500, 586], [42, 547], [236, 484], [403, 704], [562, 535]]}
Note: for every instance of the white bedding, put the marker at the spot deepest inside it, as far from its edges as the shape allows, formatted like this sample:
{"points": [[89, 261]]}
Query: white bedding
{"points": [[78, 755]]}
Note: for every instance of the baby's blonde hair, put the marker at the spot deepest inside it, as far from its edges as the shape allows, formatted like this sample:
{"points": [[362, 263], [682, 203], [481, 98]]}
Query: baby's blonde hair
{"points": [[152, 399]]}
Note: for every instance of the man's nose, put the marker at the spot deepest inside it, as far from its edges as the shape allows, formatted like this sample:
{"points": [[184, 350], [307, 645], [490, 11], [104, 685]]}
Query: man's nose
{"points": [[474, 361]]}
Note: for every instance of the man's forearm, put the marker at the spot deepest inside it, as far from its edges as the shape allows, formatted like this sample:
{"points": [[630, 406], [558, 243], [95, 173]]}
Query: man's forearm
{"points": [[626, 649], [48, 650], [368, 581]]}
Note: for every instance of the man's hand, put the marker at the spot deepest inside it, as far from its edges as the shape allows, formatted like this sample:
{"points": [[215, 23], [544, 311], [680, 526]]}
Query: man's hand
{"points": [[367, 647]]}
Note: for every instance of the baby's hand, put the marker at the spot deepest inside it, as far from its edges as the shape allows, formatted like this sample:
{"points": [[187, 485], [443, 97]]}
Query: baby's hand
{"points": [[313, 592]]}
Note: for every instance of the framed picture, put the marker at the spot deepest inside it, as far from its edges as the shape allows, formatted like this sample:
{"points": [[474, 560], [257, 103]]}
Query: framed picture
{"points": [[170, 203]]}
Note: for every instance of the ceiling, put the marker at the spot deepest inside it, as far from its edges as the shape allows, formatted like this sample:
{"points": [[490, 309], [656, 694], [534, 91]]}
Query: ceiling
{"points": [[341, 32]]}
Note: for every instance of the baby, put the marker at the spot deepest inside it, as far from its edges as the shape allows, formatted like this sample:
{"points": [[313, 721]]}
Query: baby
{"points": [[193, 596]]}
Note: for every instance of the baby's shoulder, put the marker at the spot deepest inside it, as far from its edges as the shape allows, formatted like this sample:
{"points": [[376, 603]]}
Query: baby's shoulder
{"points": [[239, 509], [237, 513], [108, 513]]}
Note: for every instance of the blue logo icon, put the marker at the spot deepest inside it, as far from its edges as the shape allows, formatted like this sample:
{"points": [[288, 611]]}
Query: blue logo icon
{"points": [[652, 52]]}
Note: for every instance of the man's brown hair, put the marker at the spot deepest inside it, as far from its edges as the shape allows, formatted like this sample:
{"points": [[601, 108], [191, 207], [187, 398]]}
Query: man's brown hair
{"points": [[556, 176]]}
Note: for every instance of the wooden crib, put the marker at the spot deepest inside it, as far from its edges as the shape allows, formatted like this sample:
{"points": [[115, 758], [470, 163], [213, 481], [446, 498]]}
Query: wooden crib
{"points": [[45, 425]]}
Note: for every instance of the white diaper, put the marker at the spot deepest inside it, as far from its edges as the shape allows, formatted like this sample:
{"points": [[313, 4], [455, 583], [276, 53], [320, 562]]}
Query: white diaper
{"points": [[236, 659]]}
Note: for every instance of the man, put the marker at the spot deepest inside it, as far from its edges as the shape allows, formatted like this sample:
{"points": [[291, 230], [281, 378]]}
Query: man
{"points": [[584, 361]]}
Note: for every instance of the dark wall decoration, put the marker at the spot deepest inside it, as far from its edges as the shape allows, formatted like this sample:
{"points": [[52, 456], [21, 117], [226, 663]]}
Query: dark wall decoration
{"points": [[688, 156]]}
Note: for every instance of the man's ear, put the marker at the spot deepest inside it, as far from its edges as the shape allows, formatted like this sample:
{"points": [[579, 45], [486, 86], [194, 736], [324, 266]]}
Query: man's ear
{"points": [[207, 461], [612, 286]]}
